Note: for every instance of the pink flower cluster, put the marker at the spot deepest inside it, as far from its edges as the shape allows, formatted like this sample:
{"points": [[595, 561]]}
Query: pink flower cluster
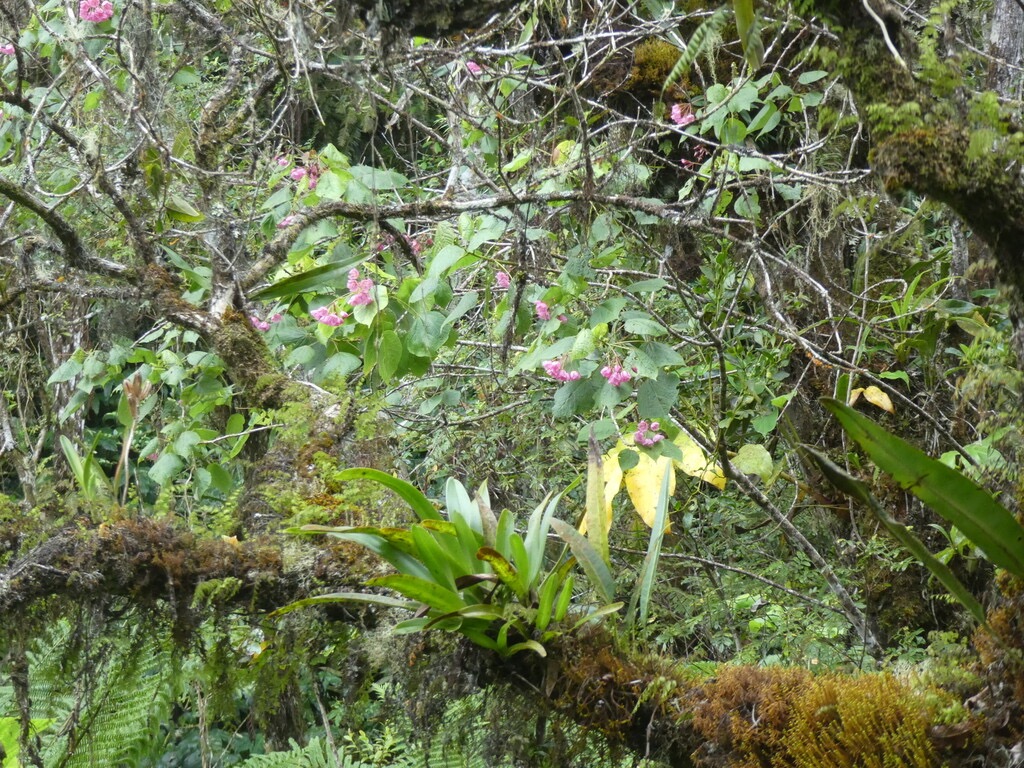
{"points": [[647, 434], [502, 281], [543, 312], [7, 50], [325, 316], [682, 114], [287, 221], [474, 68], [615, 375], [555, 371], [361, 288], [301, 172], [95, 10], [264, 325]]}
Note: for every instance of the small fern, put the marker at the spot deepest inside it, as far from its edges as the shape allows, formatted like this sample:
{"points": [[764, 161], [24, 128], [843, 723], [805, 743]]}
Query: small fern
{"points": [[701, 38]]}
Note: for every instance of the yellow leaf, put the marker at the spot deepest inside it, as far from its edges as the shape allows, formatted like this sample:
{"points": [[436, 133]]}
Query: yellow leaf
{"points": [[598, 518], [612, 479], [695, 462], [643, 483], [873, 395]]}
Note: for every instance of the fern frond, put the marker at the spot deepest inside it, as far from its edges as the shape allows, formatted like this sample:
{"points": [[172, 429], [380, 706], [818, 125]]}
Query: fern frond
{"points": [[699, 40]]}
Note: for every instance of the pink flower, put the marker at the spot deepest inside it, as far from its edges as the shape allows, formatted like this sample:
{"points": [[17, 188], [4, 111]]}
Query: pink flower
{"points": [[615, 375], [258, 324], [648, 434], [325, 316], [298, 174], [542, 310], [555, 371], [502, 281], [682, 114], [95, 10], [474, 68], [277, 317], [287, 221], [7, 50], [283, 161], [361, 288]]}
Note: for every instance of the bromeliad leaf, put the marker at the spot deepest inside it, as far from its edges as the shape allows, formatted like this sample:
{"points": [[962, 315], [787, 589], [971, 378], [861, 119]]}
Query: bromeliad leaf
{"points": [[859, 490], [588, 558], [968, 506], [422, 590], [412, 496]]}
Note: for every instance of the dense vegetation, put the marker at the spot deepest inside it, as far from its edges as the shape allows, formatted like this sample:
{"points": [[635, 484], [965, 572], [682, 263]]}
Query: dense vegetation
{"points": [[613, 383]]}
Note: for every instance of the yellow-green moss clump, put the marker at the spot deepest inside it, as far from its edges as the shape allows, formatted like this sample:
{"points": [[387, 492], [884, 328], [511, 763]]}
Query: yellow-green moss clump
{"points": [[753, 717], [871, 721]]}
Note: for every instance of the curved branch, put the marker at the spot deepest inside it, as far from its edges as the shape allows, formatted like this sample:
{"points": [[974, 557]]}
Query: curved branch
{"points": [[75, 251]]}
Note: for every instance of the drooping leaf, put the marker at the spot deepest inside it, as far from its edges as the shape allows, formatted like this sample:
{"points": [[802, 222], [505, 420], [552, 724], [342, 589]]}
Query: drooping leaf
{"points": [[502, 567], [382, 601], [968, 506], [859, 490], [410, 495]]}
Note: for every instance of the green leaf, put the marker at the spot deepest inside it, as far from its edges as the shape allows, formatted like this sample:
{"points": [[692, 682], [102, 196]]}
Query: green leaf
{"points": [[327, 276], [166, 468], [564, 598], [598, 613], [422, 590], [859, 490], [750, 32], [645, 582], [546, 600], [433, 557], [527, 645], [754, 460], [66, 371], [593, 565], [427, 334], [382, 601], [968, 506], [410, 495], [389, 355], [597, 512], [656, 398], [518, 161], [537, 534], [180, 209], [459, 504]]}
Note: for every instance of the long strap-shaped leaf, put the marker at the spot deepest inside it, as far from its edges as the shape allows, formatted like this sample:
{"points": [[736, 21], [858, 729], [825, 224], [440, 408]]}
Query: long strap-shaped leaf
{"points": [[410, 494], [968, 506], [859, 490], [598, 573]]}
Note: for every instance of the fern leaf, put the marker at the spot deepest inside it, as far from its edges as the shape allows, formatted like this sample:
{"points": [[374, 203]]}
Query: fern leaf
{"points": [[699, 40]]}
